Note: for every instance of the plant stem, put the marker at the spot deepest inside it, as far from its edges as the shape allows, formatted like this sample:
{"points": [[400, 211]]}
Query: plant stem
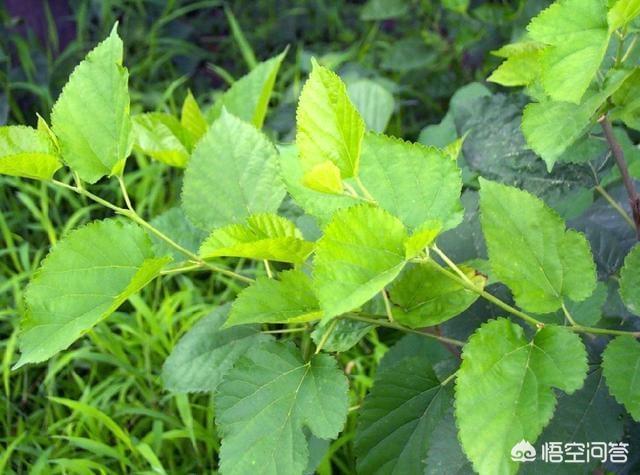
{"points": [[327, 334], [387, 305], [267, 268], [449, 378], [614, 204], [616, 149], [284, 331], [125, 193], [179, 270], [364, 190], [395, 326], [576, 327], [463, 280], [132, 215], [568, 315], [194, 257], [514, 311]]}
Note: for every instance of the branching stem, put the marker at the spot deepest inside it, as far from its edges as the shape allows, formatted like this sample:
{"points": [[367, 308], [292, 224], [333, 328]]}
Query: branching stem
{"points": [[384, 323], [618, 154], [466, 283], [133, 216], [614, 204]]}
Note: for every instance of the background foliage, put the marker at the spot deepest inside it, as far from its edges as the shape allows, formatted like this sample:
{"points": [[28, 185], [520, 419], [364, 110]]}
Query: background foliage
{"points": [[81, 411]]}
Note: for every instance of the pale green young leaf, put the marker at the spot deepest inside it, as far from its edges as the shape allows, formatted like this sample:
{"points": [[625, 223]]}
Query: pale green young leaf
{"points": [[422, 238], [398, 418], [324, 177], [262, 236], [161, 137], [27, 153], [361, 251], [425, 297], [319, 204], [531, 251], [578, 35], [551, 127], [207, 352], [266, 401], [621, 368], [504, 388], [192, 119], [374, 103], [630, 280], [411, 181], [329, 126], [84, 279], [248, 98], [288, 300], [91, 117], [622, 13], [232, 174], [521, 66]]}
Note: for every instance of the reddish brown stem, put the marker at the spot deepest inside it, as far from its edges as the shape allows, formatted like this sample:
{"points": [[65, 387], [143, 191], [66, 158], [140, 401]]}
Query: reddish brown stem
{"points": [[618, 154]]}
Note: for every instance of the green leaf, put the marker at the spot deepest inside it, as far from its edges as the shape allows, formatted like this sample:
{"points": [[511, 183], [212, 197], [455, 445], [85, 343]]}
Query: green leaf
{"points": [[207, 352], [411, 181], [521, 66], [495, 148], [27, 153], [265, 401], [319, 204], [192, 119], [374, 103], [590, 414], [241, 165], [426, 297], [578, 35], [445, 456], [621, 367], [161, 137], [627, 101], [248, 98], [531, 251], [589, 311], [343, 334], [324, 177], [412, 345], [174, 224], [422, 238], [263, 236], [83, 280], [328, 124], [623, 13], [630, 280], [91, 117], [398, 417], [504, 388], [439, 135], [288, 300], [361, 251], [383, 9], [459, 6], [551, 127]]}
